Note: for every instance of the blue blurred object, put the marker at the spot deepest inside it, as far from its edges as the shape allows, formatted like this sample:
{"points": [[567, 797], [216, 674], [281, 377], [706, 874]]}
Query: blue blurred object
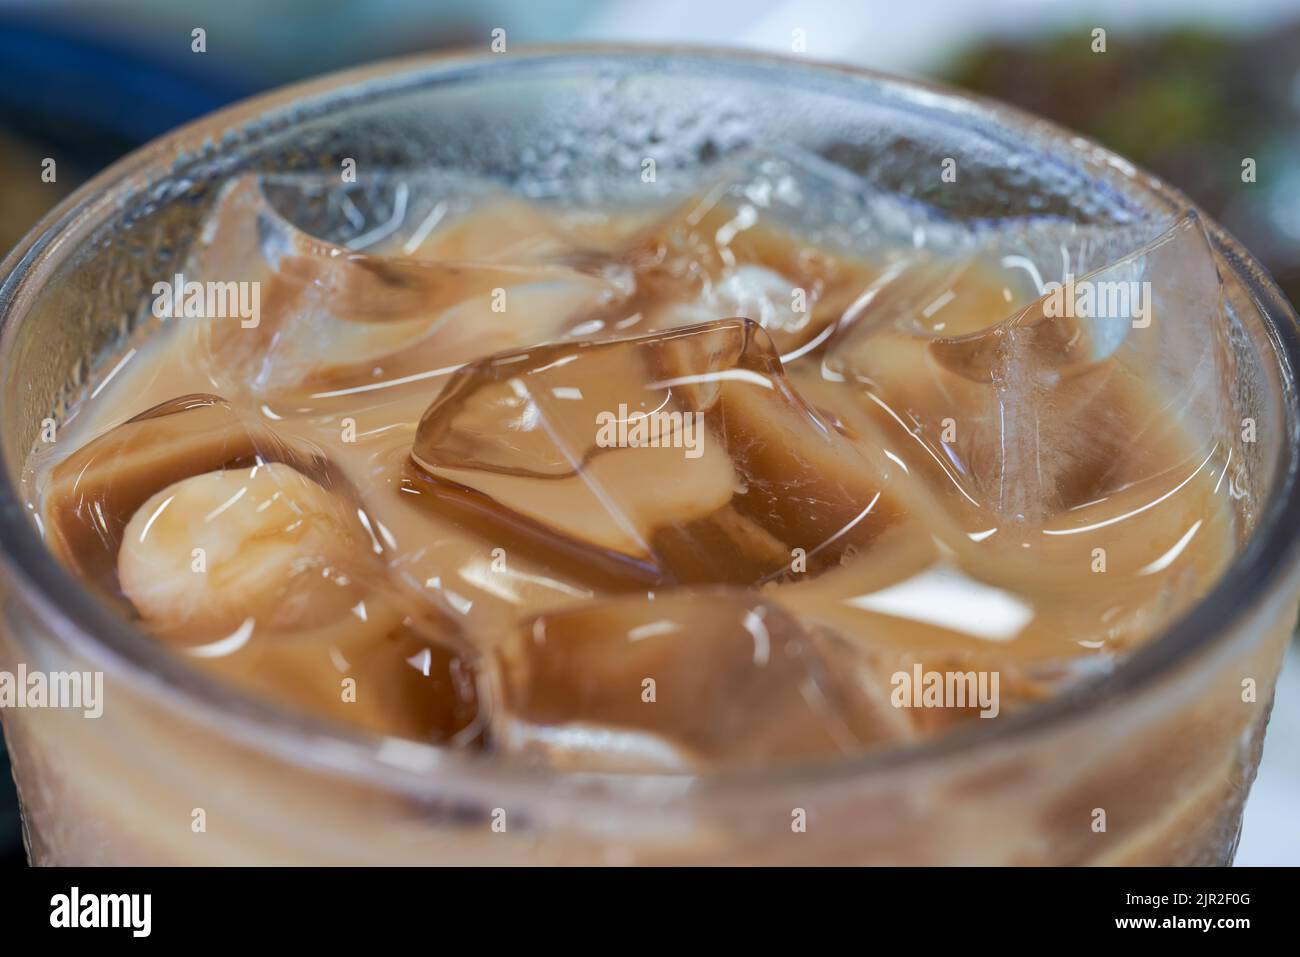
{"points": [[94, 97]]}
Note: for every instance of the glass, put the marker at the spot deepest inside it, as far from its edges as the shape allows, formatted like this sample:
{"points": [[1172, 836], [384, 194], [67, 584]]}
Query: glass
{"points": [[1150, 764]]}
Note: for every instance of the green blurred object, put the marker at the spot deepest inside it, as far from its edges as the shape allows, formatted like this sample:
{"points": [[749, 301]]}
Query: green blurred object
{"points": [[1190, 105], [24, 196]]}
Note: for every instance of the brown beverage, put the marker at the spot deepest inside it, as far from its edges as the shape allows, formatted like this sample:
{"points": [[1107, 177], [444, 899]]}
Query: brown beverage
{"points": [[710, 484]]}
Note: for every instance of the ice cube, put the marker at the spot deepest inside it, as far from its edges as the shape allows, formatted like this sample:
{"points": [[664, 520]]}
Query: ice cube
{"points": [[330, 318], [1027, 628], [387, 211], [1092, 388], [913, 599], [760, 242], [257, 557], [681, 680], [410, 681], [263, 547], [682, 456], [128, 510], [439, 214]]}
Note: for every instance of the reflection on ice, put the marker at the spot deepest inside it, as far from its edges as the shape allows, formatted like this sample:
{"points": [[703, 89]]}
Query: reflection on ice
{"points": [[947, 598]]}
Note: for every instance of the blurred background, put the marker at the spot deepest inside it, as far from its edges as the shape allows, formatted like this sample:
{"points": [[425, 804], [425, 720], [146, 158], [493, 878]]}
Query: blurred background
{"points": [[1186, 88]]}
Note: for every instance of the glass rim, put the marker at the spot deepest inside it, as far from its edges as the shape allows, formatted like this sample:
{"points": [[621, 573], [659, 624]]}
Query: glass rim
{"points": [[1259, 571]]}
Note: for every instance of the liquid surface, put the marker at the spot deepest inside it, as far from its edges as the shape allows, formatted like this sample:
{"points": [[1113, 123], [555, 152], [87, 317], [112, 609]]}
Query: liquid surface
{"points": [[731, 479]]}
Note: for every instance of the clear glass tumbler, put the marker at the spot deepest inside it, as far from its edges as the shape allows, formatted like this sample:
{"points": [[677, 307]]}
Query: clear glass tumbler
{"points": [[180, 769]]}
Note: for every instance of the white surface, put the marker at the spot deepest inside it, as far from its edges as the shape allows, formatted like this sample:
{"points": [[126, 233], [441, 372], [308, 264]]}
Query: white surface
{"points": [[1270, 835], [910, 37]]}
